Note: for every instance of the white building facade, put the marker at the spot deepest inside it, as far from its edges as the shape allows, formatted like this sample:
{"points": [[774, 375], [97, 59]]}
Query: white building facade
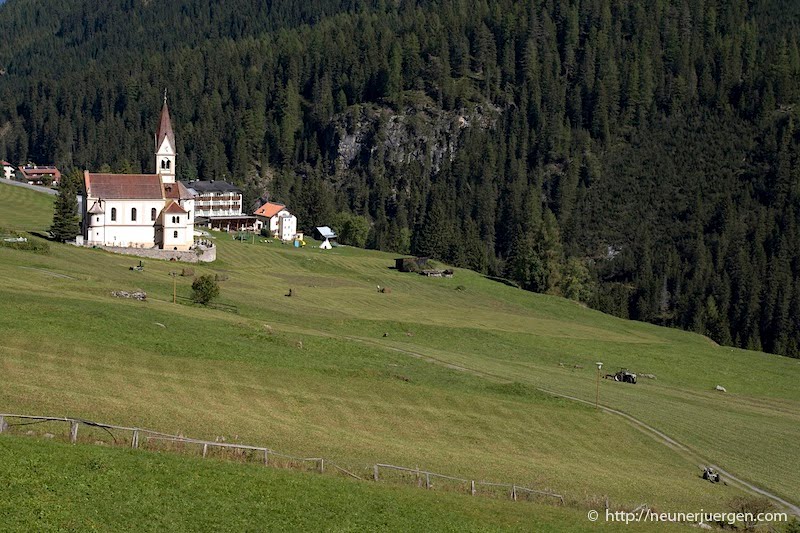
{"points": [[216, 199], [282, 224], [8, 170], [141, 210]]}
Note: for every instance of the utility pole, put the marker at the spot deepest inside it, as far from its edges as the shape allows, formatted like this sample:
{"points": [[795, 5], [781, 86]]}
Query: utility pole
{"points": [[597, 393]]}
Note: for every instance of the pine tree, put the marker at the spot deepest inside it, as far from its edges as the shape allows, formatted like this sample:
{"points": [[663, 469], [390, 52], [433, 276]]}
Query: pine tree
{"points": [[66, 224]]}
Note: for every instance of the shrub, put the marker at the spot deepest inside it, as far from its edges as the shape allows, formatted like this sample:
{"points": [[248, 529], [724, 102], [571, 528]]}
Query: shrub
{"points": [[187, 272], [204, 289], [752, 505], [32, 244], [352, 229]]}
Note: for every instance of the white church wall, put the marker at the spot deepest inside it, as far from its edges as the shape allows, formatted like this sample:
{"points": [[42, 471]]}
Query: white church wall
{"points": [[125, 231]]}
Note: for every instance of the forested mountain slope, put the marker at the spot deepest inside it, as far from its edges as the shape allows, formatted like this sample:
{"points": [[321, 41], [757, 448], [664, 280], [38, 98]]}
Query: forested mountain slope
{"points": [[639, 156]]}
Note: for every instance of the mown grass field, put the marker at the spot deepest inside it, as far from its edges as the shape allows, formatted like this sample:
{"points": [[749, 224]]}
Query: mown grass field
{"points": [[54, 486], [452, 388]]}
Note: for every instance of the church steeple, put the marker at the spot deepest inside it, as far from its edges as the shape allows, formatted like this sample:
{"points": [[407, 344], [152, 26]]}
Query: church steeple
{"points": [[165, 145]]}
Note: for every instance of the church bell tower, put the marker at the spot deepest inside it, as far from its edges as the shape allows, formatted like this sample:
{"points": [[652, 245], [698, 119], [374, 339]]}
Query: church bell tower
{"points": [[165, 146]]}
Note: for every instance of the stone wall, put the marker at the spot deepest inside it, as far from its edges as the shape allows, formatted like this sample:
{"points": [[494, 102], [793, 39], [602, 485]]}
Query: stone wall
{"points": [[190, 256]]}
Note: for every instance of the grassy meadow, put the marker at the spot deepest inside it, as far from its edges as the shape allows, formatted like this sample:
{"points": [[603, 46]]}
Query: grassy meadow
{"points": [[55, 486], [425, 375]]}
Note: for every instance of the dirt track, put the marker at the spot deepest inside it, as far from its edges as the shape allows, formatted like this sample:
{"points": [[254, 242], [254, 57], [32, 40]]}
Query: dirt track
{"points": [[649, 430]]}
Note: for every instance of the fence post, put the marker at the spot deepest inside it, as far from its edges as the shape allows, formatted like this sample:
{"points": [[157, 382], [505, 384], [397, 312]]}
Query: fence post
{"points": [[472, 487], [135, 439], [514, 492], [205, 449], [321, 465], [73, 431], [419, 479], [3, 424], [266, 457], [427, 480], [375, 473]]}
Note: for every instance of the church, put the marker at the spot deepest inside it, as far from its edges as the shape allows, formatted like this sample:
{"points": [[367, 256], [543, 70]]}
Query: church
{"points": [[141, 210]]}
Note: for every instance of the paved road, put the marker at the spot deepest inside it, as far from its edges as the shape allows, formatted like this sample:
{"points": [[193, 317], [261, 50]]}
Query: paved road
{"points": [[37, 188]]}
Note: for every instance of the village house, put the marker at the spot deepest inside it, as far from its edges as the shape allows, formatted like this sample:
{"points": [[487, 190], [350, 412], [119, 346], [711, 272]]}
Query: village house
{"points": [[281, 223], [8, 170], [218, 205], [38, 175], [141, 210]]}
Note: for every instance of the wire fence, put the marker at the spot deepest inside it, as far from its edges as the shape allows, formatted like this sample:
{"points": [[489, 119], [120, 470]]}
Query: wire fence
{"points": [[141, 438]]}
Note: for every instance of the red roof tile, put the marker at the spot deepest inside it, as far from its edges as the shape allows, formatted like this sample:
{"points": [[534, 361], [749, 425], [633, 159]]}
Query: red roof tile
{"points": [[269, 209], [174, 208], [41, 171], [177, 191], [123, 186]]}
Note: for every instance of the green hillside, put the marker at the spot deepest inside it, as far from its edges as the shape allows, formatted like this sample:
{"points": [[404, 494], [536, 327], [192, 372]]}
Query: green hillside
{"points": [[453, 388], [172, 493], [640, 157]]}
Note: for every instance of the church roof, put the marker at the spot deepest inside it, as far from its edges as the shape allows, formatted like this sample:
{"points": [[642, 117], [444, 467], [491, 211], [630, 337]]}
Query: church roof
{"points": [[123, 186], [177, 191], [165, 128], [174, 209], [269, 209]]}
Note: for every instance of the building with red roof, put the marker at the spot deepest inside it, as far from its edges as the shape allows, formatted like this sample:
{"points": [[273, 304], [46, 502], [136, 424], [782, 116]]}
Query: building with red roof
{"points": [[282, 224], [141, 210], [40, 175], [8, 170]]}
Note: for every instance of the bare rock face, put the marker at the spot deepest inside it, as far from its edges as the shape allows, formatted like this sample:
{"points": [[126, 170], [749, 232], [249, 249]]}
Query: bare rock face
{"points": [[420, 133]]}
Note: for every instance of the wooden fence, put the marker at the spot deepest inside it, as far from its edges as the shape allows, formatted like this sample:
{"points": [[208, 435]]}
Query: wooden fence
{"points": [[423, 478]]}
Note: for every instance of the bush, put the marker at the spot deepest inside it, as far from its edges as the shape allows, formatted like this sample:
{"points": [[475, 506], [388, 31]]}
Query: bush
{"points": [[32, 244], [204, 289], [187, 272], [752, 505], [352, 229]]}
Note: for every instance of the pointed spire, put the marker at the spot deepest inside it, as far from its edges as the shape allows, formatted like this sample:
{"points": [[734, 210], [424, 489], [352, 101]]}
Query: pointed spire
{"points": [[165, 126]]}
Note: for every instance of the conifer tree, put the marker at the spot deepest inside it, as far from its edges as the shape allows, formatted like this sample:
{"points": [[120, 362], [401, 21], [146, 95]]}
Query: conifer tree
{"points": [[66, 224]]}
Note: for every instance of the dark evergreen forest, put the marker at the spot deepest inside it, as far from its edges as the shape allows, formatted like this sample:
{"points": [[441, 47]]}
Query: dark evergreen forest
{"points": [[640, 156]]}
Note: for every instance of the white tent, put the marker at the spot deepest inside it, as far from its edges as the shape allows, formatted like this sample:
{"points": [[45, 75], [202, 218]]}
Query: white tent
{"points": [[326, 245]]}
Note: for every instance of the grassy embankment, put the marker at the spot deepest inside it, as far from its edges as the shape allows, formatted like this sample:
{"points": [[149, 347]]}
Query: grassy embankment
{"points": [[352, 395]]}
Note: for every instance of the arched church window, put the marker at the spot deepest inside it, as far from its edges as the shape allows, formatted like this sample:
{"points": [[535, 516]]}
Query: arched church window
{"points": [[113, 214], [163, 164], [133, 214], [168, 162], [153, 214]]}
